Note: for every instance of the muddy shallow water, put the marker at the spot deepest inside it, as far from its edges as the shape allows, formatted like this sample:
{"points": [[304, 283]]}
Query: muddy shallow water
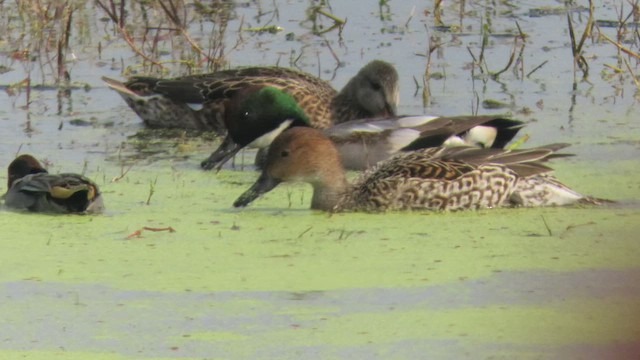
{"points": [[277, 280]]}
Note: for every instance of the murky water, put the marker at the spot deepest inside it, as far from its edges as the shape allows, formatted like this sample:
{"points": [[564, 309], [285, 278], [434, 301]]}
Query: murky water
{"points": [[278, 280]]}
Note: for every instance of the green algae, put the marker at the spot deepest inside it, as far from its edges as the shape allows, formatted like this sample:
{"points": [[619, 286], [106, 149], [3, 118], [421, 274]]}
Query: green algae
{"points": [[564, 322], [277, 280], [61, 354], [278, 244]]}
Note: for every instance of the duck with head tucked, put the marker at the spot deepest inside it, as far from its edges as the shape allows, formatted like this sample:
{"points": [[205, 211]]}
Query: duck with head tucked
{"points": [[257, 115], [198, 101], [441, 178], [31, 187]]}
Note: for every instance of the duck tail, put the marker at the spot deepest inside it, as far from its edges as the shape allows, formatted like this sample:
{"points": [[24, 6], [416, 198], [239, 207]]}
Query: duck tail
{"points": [[120, 87], [590, 200]]}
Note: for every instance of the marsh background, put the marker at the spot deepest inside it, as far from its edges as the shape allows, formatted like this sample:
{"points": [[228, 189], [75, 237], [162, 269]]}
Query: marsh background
{"points": [[276, 279]]}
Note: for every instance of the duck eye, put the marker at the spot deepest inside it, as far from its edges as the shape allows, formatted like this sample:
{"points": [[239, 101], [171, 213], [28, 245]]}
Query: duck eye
{"points": [[245, 115], [284, 153]]}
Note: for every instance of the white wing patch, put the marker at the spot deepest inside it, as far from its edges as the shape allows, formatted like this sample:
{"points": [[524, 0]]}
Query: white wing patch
{"points": [[482, 136], [195, 106], [454, 141]]}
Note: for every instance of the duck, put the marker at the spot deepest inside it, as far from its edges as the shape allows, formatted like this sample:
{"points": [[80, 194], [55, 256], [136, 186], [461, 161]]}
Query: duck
{"points": [[31, 187], [197, 102], [257, 115], [433, 179]]}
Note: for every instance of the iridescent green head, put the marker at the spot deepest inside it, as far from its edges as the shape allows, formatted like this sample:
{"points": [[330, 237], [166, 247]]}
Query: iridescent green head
{"points": [[256, 111]]}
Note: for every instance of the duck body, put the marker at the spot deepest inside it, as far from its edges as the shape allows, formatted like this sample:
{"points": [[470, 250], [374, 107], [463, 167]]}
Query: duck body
{"points": [[158, 111], [442, 178], [32, 188], [198, 101], [452, 179], [364, 143], [257, 115]]}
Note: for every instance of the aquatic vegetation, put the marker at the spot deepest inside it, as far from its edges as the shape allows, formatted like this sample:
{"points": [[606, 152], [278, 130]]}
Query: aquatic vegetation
{"points": [[278, 280]]}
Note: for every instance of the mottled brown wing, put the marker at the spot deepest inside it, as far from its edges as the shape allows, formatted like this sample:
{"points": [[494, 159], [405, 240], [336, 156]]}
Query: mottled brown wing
{"points": [[179, 89], [525, 162], [223, 83], [424, 164], [314, 95]]}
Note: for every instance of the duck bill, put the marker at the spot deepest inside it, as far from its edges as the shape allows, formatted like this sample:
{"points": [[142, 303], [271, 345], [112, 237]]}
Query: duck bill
{"points": [[223, 153], [264, 184], [96, 206], [391, 110]]}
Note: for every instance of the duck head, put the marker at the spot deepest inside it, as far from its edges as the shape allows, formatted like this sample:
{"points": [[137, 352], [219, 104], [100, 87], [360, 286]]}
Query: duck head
{"points": [[22, 166], [254, 116], [374, 89], [301, 154]]}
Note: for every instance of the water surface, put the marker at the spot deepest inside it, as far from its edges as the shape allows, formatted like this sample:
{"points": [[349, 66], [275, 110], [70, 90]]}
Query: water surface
{"points": [[277, 280]]}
